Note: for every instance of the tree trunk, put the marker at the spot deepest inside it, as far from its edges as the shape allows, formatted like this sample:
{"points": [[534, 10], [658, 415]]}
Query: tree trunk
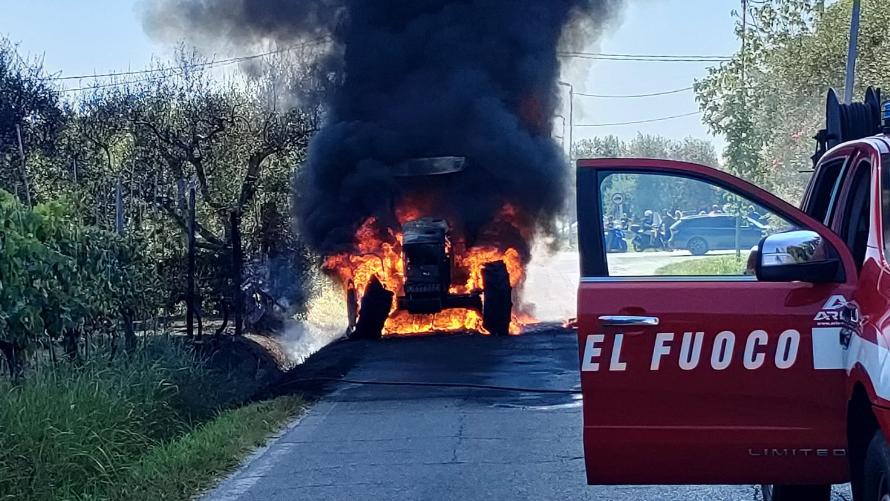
{"points": [[70, 340], [129, 331], [9, 353]]}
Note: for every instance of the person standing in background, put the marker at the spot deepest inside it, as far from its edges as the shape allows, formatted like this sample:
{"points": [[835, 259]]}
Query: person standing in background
{"points": [[667, 221]]}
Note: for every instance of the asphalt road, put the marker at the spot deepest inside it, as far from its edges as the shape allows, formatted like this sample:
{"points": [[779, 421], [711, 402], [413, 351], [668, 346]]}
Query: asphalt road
{"points": [[402, 442]]}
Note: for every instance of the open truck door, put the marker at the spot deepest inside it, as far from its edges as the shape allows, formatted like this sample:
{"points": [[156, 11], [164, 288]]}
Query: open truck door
{"points": [[696, 369]]}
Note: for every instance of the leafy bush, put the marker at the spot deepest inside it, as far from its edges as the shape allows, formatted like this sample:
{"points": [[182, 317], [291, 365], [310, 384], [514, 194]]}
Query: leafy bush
{"points": [[58, 277]]}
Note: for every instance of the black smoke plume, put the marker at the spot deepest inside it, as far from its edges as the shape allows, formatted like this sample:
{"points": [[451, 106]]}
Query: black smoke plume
{"points": [[418, 78]]}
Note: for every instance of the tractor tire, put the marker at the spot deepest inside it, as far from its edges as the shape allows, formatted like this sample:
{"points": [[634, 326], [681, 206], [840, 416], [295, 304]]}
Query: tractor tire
{"points": [[375, 307], [877, 469], [351, 309], [497, 299], [697, 246], [796, 492]]}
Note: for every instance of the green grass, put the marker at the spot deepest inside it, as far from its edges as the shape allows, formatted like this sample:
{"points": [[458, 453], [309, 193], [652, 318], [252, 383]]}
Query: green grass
{"points": [[715, 265], [184, 467], [100, 429]]}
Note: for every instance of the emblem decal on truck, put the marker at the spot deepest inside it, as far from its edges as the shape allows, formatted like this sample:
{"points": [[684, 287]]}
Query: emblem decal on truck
{"points": [[836, 311]]}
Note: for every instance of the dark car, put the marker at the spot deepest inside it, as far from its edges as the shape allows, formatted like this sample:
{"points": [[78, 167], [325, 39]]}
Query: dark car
{"points": [[700, 234]]}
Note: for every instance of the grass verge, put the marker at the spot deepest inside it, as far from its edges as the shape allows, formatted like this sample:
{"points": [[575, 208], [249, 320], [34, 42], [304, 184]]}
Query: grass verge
{"points": [[707, 266], [182, 468], [151, 425]]}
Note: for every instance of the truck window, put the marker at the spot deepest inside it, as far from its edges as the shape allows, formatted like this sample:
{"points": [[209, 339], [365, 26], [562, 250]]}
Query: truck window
{"points": [[826, 185], [856, 217], [646, 234]]}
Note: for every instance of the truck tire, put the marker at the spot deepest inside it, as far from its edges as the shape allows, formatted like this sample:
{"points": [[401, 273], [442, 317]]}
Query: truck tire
{"points": [[877, 469], [697, 246], [375, 307], [796, 492], [497, 298]]}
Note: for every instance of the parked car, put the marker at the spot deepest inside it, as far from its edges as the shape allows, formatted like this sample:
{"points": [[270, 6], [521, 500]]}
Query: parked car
{"points": [[700, 234]]}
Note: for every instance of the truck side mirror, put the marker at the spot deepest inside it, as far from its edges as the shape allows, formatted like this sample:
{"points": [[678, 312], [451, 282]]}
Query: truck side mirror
{"points": [[796, 256]]}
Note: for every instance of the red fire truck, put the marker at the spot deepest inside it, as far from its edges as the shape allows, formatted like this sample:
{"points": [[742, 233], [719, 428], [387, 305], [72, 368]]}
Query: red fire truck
{"points": [[768, 368]]}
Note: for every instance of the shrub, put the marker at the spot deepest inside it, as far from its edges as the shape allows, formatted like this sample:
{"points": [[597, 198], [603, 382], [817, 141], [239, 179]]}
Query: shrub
{"points": [[59, 277]]}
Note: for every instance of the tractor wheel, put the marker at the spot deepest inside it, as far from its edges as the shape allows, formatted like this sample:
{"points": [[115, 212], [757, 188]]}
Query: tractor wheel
{"points": [[497, 298], [697, 246], [351, 309], [375, 306]]}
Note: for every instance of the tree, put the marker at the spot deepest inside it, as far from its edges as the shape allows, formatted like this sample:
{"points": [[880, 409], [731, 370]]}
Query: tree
{"points": [[769, 100], [238, 142], [647, 192], [30, 112]]}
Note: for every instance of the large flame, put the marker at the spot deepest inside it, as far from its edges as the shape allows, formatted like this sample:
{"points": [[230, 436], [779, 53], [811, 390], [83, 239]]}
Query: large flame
{"points": [[381, 257]]}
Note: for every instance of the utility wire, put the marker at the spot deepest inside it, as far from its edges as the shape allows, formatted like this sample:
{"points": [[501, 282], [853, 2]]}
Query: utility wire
{"points": [[113, 84], [647, 56], [223, 62], [644, 57], [630, 96], [659, 119], [220, 62]]}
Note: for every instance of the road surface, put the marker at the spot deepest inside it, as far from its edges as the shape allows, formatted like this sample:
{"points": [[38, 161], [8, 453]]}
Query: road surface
{"points": [[402, 442]]}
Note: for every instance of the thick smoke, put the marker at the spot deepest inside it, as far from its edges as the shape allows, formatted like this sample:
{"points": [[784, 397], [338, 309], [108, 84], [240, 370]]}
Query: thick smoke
{"points": [[418, 78]]}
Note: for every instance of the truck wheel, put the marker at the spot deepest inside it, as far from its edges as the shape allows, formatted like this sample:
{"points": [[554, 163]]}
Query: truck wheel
{"points": [[497, 298], [796, 492], [375, 306], [877, 469], [697, 246]]}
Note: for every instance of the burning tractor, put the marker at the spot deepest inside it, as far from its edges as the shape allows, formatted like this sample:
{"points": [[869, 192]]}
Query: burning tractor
{"points": [[429, 277]]}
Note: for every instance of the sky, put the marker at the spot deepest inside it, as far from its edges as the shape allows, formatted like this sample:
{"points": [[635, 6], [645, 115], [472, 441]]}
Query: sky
{"points": [[101, 36]]}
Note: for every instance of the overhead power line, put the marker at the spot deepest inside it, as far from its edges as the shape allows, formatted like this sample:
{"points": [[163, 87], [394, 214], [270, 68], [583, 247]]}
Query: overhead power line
{"points": [[656, 56], [232, 60], [208, 64], [113, 84], [630, 96], [635, 122], [661, 58]]}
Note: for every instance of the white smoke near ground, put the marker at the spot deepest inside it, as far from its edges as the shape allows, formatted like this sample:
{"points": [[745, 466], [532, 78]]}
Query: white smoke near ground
{"points": [[325, 323], [551, 284]]}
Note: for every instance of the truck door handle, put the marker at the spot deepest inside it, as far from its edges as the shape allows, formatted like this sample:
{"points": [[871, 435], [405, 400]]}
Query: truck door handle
{"points": [[625, 320]]}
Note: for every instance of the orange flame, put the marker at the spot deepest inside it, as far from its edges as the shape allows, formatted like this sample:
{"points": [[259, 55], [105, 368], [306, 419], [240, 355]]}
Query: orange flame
{"points": [[382, 257]]}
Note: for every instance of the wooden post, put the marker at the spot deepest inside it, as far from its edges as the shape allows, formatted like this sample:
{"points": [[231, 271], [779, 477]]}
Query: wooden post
{"points": [[190, 267], [18, 132], [237, 300], [119, 207]]}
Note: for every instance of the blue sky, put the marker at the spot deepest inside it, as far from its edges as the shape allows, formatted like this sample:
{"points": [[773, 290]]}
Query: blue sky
{"points": [[100, 36]]}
